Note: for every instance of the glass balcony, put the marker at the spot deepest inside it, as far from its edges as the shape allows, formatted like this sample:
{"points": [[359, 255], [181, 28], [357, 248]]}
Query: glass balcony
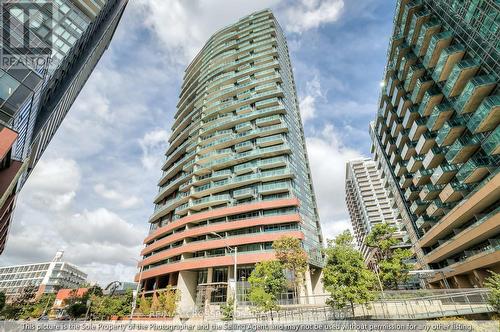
{"points": [[424, 223], [425, 142], [444, 173], [417, 128], [407, 61], [400, 5], [440, 114], [474, 92], [432, 97], [402, 138], [492, 144], [433, 157], [410, 117], [384, 138], [408, 11], [437, 208], [392, 82], [450, 130], [394, 42], [461, 73], [401, 51], [242, 127], [448, 58], [244, 193], [268, 121], [475, 169], [274, 188], [243, 146], [438, 42], [428, 29], [423, 84], [399, 92], [270, 140], [208, 201], [395, 157], [454, 191], [487, 115], [463, 148], [415, 163], [386, 107], [391, 117], [417, 21], [390, 147], [400, 168], [422, 176], [408, 150], [403, 106], [415, 72], [405, 181], [430, 191], [396, 128], [411, 193], [418, 207]]}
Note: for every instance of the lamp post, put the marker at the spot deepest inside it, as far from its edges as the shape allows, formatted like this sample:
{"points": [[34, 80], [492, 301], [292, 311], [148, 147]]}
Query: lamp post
{"points": [[134, 298], [235, 250]]}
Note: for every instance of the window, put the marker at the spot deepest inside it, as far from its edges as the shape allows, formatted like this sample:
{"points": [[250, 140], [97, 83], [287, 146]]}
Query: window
{"points": [[7, 85]]}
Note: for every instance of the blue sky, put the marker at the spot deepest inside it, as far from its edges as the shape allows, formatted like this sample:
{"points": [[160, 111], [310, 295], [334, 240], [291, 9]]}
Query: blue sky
{"points": [[91, 194]]}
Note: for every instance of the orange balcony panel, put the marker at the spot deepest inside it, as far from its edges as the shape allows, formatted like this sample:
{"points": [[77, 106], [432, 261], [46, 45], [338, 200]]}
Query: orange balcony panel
{"points": [[221, 213], [218, 243], [220, 227], [250, 258], [7, 139]]}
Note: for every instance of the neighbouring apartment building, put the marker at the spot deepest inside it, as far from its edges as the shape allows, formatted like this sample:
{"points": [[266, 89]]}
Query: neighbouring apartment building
{"points": [[436, 136], [236, 172], [35, 98], [369, 203], [47, 277]]}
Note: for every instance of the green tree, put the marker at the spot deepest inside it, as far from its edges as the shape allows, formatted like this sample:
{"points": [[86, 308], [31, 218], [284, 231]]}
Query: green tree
{"points": [[293, 257], [14, 309], [167, 301], [392, 262], [103, 307], [345, 275], [76, 306], [145, 305], [227, 309], [36, 309], [267, 282], [493, 283]]}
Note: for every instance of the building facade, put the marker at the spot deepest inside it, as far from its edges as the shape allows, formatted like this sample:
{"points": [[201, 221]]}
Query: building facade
{"points": [[35, 99], [436, 136], [47, 277], [236, 172], [369, 203]]}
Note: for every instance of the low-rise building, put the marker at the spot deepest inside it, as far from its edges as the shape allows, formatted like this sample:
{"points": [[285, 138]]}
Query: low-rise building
{"points": [[46, 277]]}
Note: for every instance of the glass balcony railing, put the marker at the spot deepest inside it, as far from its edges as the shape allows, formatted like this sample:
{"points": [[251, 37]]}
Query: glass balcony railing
{"points": [[437, 208], [410, 117], [474, 92], [407, 61], [438, 42], [401, 51], [461, 150], [417, 128], [487, 115], [450, 130], [405, 180], [425, 142], [492, 144], [422, 176], [400, 168], [425, 222], [459, 76], [454, 191], [428, 29], [448, 58], [402, 138], [444, 173], [430, 191], [432, 97], [422, 85], [409, 9], [475, 169], [433, 157], [408, 150], [439, 115], [414, 72], [415, 163], [419, 18], [418, 207]]}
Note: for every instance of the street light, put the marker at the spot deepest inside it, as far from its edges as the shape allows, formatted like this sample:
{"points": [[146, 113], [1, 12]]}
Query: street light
{"points": [[134, 298], [235, 250]]}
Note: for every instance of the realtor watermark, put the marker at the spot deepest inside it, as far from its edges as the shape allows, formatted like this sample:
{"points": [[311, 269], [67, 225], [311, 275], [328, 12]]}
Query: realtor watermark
{"points": [[26, 34]]}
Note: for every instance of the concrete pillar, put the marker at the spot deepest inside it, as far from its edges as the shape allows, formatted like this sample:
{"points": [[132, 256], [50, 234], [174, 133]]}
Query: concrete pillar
{"points": [[308, 286], [317, 285], [186, 284], [210, 273], [462, 281], [479, 276]]}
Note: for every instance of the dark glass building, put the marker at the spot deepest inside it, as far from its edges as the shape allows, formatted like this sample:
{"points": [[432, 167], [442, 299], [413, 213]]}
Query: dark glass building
{"points": [[35, 98], [436, 136]]}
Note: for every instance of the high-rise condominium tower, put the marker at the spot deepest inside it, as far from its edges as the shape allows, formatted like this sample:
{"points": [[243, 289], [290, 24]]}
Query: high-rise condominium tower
{"points": [[236, 172], [369, 203], [36, 96], [437, 137]]}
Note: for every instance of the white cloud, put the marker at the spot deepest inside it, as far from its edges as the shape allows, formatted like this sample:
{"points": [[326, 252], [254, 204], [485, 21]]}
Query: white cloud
{"points": [[308, 102], [310, 14], [153, 145], [124, 200], [327, 156]]}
